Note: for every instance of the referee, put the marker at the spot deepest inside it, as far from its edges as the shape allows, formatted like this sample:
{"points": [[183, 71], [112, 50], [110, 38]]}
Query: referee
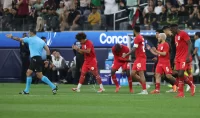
{"points": [[36, 46]]}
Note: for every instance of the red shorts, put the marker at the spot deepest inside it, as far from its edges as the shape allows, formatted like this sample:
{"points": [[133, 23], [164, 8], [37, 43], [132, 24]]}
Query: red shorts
{"points": [[164, 68], [89, 66], [116, 65], [139, 65], [181, 65]]}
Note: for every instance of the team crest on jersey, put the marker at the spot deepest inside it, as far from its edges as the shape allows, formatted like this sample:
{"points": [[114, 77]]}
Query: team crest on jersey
{"points": [[92, 68], [139, 65], [161, 48], [179, 37], [85, 47]]}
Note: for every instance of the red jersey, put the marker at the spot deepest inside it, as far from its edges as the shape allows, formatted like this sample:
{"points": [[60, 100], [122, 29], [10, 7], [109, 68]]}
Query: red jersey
{"points": [[89, 57], [181, 45], [140, 49], [118, 56], [164, 47]]}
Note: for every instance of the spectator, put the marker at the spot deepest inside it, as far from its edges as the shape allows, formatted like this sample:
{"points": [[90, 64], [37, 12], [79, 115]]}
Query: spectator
{"points": [[52, 22], [172, 18], [189, 6], [150, 19], [162, 19], [59, 67], [22, 13], [50, 4], [146, 9], [158, 9], [183, 15], [38, 6], [96, 3], [194, 18], [84, 4], [7, 4], [94, 19], [169, 6], [73, 19], [60, 10], [8, 18], [111, 7], [68, 4]]}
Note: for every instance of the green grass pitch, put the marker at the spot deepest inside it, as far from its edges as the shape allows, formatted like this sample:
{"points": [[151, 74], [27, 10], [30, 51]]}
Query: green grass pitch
{"points": [[88, 104]]}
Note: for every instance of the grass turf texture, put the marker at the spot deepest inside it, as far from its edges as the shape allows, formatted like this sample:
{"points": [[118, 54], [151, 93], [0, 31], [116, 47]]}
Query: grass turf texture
{"points": [[88, 104]]}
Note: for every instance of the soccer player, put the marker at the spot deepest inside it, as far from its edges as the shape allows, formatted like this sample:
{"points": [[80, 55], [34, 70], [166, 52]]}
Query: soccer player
{"points": [[90, 62], [163, 65], [36, 46], [139, 65], [118, 51], [183, 53]]}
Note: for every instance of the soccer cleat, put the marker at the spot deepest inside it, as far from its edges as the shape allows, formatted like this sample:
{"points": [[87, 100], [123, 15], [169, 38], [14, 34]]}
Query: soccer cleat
{"points": [[143, 92], [23, 92], [76, 90], [192, 90], [155, 92], [131, 91], [180, 95], [174, 87], [188, 88], [55, 90], [101, 90], [117, 89]]}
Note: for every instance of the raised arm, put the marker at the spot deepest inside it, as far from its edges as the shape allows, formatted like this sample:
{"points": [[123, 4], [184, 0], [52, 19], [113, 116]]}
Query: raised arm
{"points": [[14, 38]]}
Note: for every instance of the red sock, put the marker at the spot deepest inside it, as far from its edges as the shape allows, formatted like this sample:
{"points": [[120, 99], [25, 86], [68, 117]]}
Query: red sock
{"points": [[144, 86], [191, 78], [115, 80], [158, 86], [181, 85], [130, 82], [186, 79]]}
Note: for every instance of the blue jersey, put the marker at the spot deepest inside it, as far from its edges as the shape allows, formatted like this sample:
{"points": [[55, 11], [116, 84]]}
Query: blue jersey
{"points": [[197, 45], [36, 45]]}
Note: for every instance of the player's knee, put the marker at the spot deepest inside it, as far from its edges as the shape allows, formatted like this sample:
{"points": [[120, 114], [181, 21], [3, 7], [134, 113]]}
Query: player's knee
{"points": [[128, 73], [28, 73], [169, 76], [39, 75]]}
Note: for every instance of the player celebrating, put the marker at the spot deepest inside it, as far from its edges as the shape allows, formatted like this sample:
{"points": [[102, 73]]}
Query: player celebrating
{"points": [[183, 53], [36, 46], [139, 65], [90, 62], [118, 51], [163, 65]]}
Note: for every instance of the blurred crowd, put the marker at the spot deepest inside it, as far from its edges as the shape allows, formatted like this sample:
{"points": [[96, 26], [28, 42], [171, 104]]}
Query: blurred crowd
{"points": [[65, 15]]}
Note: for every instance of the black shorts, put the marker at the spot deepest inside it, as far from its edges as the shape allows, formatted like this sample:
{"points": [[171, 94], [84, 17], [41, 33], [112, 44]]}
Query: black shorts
{"points": [[36, 64]]}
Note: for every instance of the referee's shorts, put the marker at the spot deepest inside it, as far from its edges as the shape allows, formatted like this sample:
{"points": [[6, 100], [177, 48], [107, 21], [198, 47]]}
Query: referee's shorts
{"points": [[36, 64]]}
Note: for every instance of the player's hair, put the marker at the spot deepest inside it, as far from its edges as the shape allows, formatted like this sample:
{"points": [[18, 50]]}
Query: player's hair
{"points": [[43, 38], [165, 27], [137, 28], [33, 31], [163, 36], [117, 47], [159, 31], [197, 34], [81, 36]]}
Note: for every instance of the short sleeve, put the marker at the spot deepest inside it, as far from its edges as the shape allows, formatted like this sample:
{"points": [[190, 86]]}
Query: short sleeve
{"points": [[26, 40], [126, 49], [137, 40], [166, 47], [196, 44], [186, 37], [89, 45]]}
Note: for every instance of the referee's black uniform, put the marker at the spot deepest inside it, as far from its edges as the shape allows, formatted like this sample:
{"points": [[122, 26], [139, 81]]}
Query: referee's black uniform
{"points": [[79, 63]]}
